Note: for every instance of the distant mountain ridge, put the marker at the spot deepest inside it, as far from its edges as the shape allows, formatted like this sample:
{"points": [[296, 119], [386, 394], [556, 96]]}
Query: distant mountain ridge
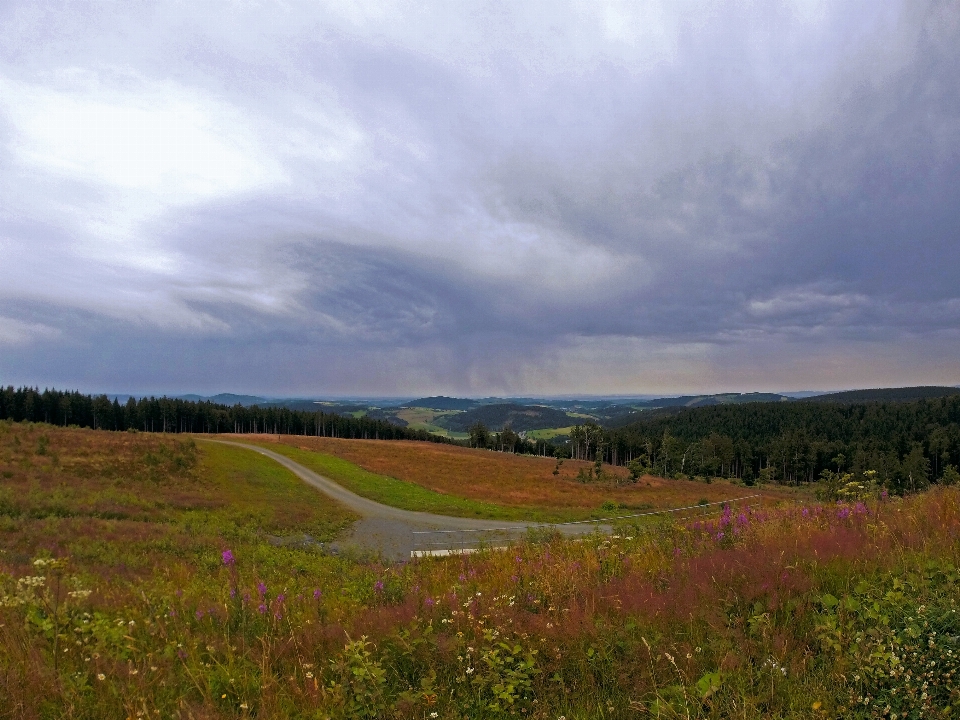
{"points": [[442, 402], [531, 413], [226, 399], [904, 394]]}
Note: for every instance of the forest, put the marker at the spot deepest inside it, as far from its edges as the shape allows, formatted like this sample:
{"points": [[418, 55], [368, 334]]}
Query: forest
{"points": [[175, 415], [907, 444]]}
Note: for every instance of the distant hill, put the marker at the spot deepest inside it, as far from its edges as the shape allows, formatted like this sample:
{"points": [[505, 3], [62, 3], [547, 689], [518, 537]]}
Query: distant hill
{"points": [[387, 414], [321, 406], [707, 400], [227, 399], [519, 417], [441, 402], [620, 415], [907, 394]]}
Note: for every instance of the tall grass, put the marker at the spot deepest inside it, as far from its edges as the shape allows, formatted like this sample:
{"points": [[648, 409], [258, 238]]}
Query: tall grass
{"points": [[800, 611]]}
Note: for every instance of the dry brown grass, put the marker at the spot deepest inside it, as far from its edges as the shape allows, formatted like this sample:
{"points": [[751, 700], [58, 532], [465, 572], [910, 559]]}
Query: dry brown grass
{"points": [[514, 480]]}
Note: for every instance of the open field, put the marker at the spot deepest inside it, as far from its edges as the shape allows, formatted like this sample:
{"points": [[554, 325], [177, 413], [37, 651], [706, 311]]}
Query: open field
{"points": [[523, 486], [178, 605], [423, 419], [548, 433]]}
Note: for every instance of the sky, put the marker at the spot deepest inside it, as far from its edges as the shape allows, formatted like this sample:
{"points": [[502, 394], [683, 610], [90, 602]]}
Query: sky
{"points": [[384, 198]]}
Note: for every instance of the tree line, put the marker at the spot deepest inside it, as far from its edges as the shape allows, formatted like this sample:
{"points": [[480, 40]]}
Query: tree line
{"points": [[907, 444], [174, 415], [506, 440]]}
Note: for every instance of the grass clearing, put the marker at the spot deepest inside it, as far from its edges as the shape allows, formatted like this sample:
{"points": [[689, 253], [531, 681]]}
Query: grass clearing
{"points": [[548, 433], [410, 496], [424, 419], [511, 482]]}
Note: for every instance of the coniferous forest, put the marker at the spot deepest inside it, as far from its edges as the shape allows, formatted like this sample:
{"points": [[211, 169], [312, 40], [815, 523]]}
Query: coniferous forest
{"points": [[175, 415], [907, 444]]}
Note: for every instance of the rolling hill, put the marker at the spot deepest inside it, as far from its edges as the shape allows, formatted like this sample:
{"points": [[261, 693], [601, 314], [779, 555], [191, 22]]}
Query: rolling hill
{"points": [[519, 417]]}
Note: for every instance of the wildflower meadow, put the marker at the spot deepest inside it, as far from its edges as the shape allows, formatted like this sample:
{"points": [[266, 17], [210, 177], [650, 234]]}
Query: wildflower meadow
{"points": [[125, 592]]}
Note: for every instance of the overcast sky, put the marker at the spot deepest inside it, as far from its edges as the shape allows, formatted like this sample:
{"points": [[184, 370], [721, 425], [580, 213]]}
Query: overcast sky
{"points": [[471, 198]]}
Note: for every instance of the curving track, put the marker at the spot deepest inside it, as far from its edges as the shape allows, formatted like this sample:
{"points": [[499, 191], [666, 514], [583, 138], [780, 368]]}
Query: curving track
{"points": [[391, 531]]}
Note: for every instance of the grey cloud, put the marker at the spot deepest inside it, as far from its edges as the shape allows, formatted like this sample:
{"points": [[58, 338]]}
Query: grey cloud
{"points": [[472, 199]]}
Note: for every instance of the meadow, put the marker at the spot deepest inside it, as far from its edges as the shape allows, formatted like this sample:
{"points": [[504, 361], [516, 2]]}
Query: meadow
{"points": [[149, 576], [483, 483], [424, 419]]}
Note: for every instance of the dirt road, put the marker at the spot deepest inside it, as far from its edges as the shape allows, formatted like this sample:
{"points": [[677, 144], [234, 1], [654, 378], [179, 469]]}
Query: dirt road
{"points": [[396, 533]]}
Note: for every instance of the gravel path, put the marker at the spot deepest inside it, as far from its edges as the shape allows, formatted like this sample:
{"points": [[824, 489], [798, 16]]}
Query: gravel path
{"points": [[393, 532]]}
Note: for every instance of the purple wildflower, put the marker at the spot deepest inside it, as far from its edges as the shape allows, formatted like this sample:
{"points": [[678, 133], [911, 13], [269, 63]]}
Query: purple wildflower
{"points": [[317, 594], [428, 602], [228, 558], [199, 614], [262, 589], [261, 608], [378, 586]]}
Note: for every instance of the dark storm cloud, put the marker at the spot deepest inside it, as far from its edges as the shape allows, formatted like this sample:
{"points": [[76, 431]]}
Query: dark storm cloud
{"points": [[603, 197]]}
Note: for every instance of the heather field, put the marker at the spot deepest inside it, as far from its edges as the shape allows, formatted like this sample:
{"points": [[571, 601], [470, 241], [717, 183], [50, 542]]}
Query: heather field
{"points": [[148, 576], [486, 483]]}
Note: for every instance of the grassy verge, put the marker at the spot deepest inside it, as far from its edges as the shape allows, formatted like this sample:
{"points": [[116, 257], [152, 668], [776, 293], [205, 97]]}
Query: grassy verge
{"points": [[409, 496], [260, 495]]}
